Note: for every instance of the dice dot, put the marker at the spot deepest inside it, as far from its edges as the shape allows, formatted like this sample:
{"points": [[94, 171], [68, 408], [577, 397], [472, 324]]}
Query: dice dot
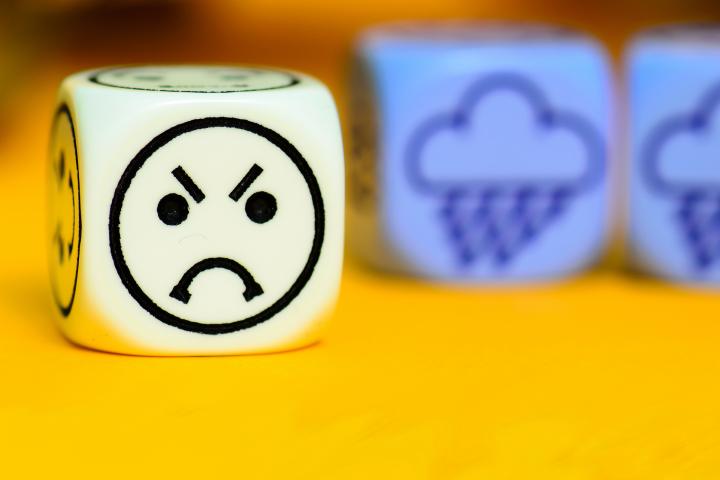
{"points": [[172, 209], [261, 207]]}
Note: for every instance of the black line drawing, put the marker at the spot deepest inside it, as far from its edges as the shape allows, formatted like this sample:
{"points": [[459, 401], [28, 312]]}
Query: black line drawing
{"points": [[500, 218], [71, 168], [698, 212], [252, 288]]}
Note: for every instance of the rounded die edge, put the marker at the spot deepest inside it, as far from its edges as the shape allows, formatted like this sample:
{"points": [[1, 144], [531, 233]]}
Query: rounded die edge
{"points": [[92, 78], [89, 332]]}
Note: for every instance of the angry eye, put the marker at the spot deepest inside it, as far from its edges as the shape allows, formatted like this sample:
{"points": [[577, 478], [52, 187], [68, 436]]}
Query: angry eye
{"points": [[172, 209], [260, 207]]}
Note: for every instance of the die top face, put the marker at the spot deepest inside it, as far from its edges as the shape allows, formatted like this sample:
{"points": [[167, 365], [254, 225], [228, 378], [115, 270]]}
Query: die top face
{"points": [[194, 79], [205, 81], [449, 33], [493, 155], [467, 30], [213, 224], [681, 36]]}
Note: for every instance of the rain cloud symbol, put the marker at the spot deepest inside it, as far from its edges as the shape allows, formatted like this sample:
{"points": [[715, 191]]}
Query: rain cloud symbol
{"points": [[679, 160], [500, 184]]}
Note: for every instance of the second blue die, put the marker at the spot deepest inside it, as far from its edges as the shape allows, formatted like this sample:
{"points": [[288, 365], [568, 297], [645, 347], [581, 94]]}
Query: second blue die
{"points": [[674, 92], [480, 152]]}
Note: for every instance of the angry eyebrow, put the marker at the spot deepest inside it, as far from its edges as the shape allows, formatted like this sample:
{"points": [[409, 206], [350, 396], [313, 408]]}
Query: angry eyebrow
{"points": [[188, 184], [246, 181]]}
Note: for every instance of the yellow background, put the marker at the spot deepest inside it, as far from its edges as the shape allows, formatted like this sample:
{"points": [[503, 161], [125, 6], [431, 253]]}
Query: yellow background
{"points": [[606, 376]]}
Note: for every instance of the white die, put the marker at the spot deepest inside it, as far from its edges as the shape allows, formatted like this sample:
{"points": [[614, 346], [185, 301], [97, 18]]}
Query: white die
{"points": [[195, 210]]}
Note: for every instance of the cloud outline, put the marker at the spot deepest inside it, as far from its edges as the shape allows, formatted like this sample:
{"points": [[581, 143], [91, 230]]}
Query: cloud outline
{"points": [[546, 118], [696, 121]]}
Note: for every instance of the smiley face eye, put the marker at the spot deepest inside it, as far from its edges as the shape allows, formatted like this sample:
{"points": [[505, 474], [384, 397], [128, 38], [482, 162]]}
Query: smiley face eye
{"points": [[61, 166], [260, 207], [172, 209]]}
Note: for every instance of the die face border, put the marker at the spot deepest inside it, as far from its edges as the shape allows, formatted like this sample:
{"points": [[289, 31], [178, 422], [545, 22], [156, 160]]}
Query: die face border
{"points": [[138, 161], [65, 309], [95, 78]]}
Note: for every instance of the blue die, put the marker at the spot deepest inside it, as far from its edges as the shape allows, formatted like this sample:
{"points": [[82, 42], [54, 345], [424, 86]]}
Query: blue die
{"points": [[480, 151], [674, 221]]}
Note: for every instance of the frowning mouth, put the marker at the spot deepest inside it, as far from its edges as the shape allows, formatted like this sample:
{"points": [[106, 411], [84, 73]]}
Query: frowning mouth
{"points": [[181, 290]]}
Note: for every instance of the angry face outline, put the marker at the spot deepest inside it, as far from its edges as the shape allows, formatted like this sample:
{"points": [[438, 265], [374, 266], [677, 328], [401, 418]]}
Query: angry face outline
{"points": [[65, 219], [206, 207]]}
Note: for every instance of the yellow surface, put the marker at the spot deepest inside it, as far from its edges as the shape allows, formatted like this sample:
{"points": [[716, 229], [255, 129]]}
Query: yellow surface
{"points": [[601, 377]]}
